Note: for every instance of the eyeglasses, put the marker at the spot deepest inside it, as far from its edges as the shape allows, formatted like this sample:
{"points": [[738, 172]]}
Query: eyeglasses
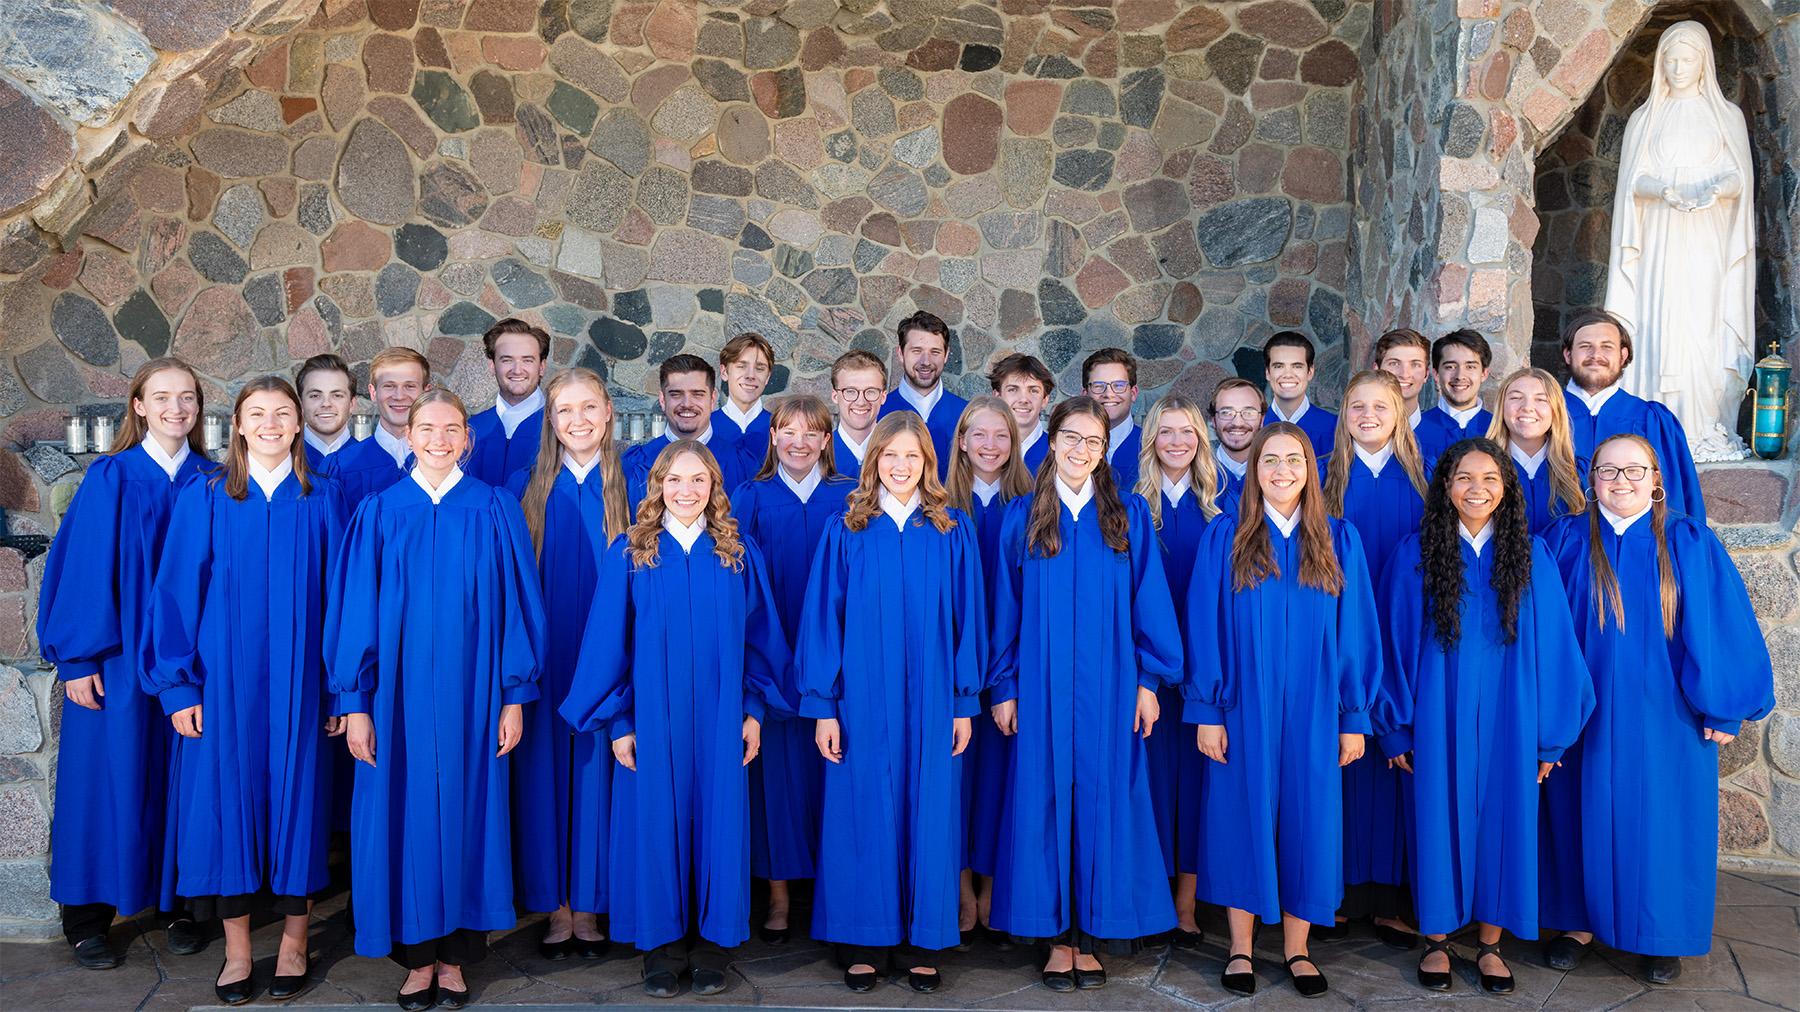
{"points": [[853, 395], [1237, 414], [1294, 461], [1099, 387], [1632, 472], [1069, 440]]}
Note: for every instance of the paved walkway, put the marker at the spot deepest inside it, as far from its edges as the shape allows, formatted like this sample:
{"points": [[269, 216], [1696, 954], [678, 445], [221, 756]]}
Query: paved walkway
{"points": [[1755, 962]]}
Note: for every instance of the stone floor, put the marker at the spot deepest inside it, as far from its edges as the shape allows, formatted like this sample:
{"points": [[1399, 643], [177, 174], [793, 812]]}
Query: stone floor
{"points": [[1755, 961]]}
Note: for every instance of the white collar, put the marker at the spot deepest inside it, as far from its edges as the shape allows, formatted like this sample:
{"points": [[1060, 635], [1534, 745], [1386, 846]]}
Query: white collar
{"points": [[511, 415], [1462, 418], [1275, 409], [856, 449], [326, 449], [742, 418], [1074, 500], [922, 403], [437, 494], [1117, 435], [703, 438], [1237, 468], [684, 534], [983, 490], [1412, 420], [1593, 402], [580, 471], [1286, 525], [170, 465], [804, 488], [1621, 524], [1377, 460], [1032, 437], [268, 480], [1476, 541], [896, 510], [1174, 490], [1529, 462], [392, 444]]}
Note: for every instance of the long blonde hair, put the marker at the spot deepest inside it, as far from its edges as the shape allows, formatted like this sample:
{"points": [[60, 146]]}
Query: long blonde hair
{"points": [[1606, 582], [644, 537], [813, 414], [1565, 477], [1015, 480], [1252, 554], [544, 469], [236, 472], [863, 503], [134, 430], [1406, 445], [1203, 473]]}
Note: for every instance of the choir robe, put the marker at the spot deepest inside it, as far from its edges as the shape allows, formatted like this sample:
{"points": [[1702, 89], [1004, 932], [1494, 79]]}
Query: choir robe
{"points": [[1630, 832], [942, 423], [1478, 719], [107, 842], [1384, 508], [988, 756], [1124, 459], [843, 459], [437, 624], [1319, 425], [363, 469], [1285, 669], [1035, 453], [561, 779], [1624, 412], [786, 778], [1176, 765], [236, 623], [317, 459], [680, 844], [752, 443], [637, 462], [1437, 431], [496, 455], [1542, 506], [1075, 636], [893, 644], [1231, 489]]}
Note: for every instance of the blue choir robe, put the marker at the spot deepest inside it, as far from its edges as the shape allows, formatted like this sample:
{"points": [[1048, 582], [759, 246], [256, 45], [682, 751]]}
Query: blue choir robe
{"points": [[1384, 508], [561, 779], [1176, 765], [843, 459], [752, 442], [1231, 489], [1036, 452], [316, 458], [1286, 669], [1437, 431], [1124, 459], [786, 778], [496, 455], [363, 469], [1478, 719], [893, 645], [680, 843], [941, 424], [637, 462], [1630, 832], [237, 620], [1075, 636], [1319, 425], [1624, 412], [437, 624], [1542, 506], [988, 756], [107, 842]]}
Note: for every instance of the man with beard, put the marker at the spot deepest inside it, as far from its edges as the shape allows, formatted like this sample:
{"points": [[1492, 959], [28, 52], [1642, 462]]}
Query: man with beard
{"points": [[924, 350], [1459, 363], [1236, 410], [687, 394], [506, 435]]}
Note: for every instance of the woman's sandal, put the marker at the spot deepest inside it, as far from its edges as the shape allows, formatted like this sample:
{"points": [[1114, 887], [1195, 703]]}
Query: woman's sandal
{"points": [[1492, 983], [1310, 985], [1436, 980], [1239, 983]]}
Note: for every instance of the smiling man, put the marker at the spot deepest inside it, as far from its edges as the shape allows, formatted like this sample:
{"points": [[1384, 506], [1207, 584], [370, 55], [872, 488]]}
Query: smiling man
{"points": [[327, 392], [858, 382], [397, 377], [924, 351], [1406, 355], [1288, 367], [1459, 363], [687, 393], [1236, 411], [1025, 384], [1110, 377], [506, 436]]}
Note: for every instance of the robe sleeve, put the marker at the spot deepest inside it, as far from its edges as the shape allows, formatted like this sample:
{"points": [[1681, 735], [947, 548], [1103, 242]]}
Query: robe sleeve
{"points": [[1156, 632], [1009, 603], [353, 615], [522, 628], [766, 654], [1681, 482], [600, 697], [1565, 690], [78, 602], [819, 650], [171, 671], [1726, 675], [1358, 653], [969, 612], [1209, 688], [1405, 634]]}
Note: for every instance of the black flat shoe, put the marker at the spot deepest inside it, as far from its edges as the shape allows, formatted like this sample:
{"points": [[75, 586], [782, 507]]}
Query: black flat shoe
{"points": [[772, 936], [1088, 980], [592, 948], [708, 981], [1435, 980], [1310, 985], [1490, 982], [966, 941], [1059, 980], [1000, 940], [923, 982], [286, 986], [1239, 983], [236, 992], [418, 1001], [94, 954], [1189, 940], [861, 982], [1394, 938], [1564, 953], [1336, 932], [187, 936], [448, 998], [556, 952], [1662, 969], [662, 984]]}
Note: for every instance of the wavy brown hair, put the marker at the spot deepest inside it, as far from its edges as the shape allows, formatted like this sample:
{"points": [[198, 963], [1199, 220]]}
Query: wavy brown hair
{"points": [[134, 430], [644, 537], [1440, 545], [1606, 582], [1565, 477], [815, 415], [865, 501], [1203, 472], [544, 469], [1406, 444], [1015, 481], [1252, 555], [236, 472], [1043, 528]]}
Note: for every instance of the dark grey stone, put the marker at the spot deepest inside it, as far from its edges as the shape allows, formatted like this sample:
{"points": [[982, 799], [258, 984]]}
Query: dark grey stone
{"points": [[901, 83], [720, 216], [572, 107], [421, 245], [622, 139], [618, 339], [1140, 97], [396, 290], [979, 58], [901, 192], [937, 175], [747, 312], [664, 343], [780, 183], [314, 210], [784, 295], [717, 177], [721, 80], [711, 300], [755, 238], [632, 306], [1088, 97], [1155, 340], [1280, 127], [1083, 169], [769, 43], [521, 286], [1073, 131], [1057, 305], [267, 299], [1058, 67], [749, 268], [451, 196], [140, 320], [1244, 231], [1059, 347], [49, 464], [445, 101], [868, 255], [1325, 315], [564, 319], [49, 374], [215, 259], [841, 146], [465, 319], [1463, 131], [1112, 136], [831, 286], [792, 262], [82, 327]]}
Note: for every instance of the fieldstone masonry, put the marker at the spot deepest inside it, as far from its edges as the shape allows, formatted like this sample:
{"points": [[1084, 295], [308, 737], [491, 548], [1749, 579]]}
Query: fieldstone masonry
{"points": [[249, 182]]}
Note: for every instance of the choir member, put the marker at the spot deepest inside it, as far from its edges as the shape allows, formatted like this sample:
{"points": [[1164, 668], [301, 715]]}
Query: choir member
{"points": [[858, 382], [1178, 480], [785, 510], [1109, 376], [397, 376], [1288, 367], [684, 714], [1025, 384], [1484, 688], [686, 393], [893, 711], [1405, 355], [745, 364], [1285, 665], [1532, 426], [327, 393], [1459, 365], [924, 342], [1678, 662], [507, 435], [1597, 348], [1236, 410], [107, 842], [236, 619], [573, 498], [433, 646], [1084, 633]]}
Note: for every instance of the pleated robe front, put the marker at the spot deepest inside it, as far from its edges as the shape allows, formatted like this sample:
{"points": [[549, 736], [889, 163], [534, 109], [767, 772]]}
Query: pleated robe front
{"points": [[1176, 764], [496, 455], [1542, 506], [988, 756]]}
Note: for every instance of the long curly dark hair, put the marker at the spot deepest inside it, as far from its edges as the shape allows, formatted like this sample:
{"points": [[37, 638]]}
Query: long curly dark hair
{"points": [[1440, 548]]}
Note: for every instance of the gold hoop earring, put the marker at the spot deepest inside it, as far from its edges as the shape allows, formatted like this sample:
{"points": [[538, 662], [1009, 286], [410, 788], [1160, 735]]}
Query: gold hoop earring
{"points": [[1657, 494]]}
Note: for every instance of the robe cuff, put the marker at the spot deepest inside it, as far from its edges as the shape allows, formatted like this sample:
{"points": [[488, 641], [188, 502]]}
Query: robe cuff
{"points": [[1195, 712], [524, 692], [1550, 755], [818, 708], [621, 727], [755, 707], [1397, 743], [1730, 727], [1146, 680], [1355, 722], [353, 702], [177, 698], [967, 706], [68, 671], [1004, 691]]}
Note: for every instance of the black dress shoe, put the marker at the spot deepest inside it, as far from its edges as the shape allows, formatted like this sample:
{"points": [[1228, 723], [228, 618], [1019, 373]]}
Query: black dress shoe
{"points": [[236, 992], [592, 948], [1395, 938], [94, 954], [557, 951], [1000, 940], [418, 1001], [662, 984], [450, 998], [708, 980], [1310, 985], [923, 981], [1088, 980], [1435, 980], [861, 981], [1493, 983], [286, 986], [1189, 940], [1239, 983], [772, 936], [1334, 932], [1662, 969], [1564, 953], [187, 937], [1059, 980], [966, 938]]}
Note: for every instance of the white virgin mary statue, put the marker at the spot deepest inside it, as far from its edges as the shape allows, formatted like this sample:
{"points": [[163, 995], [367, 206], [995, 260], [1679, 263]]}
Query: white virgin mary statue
{"points": [[1683, 242]]}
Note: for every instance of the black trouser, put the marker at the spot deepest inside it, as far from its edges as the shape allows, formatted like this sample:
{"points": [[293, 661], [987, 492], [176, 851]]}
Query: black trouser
{"points": [[692, 952], [888, 957], [82, 921], [461, 947], [224, 908]]}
